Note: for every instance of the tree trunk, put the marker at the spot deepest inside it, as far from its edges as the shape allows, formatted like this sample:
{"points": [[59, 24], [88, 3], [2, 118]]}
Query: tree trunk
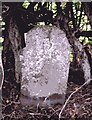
{"points": [[12, 69], [83, 60], [80, 57]]}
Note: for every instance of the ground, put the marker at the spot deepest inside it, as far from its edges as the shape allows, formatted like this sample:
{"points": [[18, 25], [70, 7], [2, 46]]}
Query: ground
{"points": [[78, 107]]}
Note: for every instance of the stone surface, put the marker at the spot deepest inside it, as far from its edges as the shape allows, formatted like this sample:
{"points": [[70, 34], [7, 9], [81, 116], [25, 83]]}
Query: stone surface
{"points": [[45, 66]]}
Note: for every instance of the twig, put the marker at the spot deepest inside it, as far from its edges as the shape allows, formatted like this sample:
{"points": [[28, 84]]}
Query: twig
{"points": [[39, 114], [71, 96], [5, 7]]}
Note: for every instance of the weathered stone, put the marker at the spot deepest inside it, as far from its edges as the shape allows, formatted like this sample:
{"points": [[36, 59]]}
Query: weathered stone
{"points": [[45, 66]]}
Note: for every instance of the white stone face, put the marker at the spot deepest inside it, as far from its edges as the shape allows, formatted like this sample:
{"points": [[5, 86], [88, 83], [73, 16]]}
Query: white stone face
{"points": [[45, 62]]}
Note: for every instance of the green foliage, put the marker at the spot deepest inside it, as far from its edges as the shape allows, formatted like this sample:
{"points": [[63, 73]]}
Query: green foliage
{"points": [[2, 24], [1, 40], [53, 8], [90, 41], [63, 5], [84, 22], [71, 56], [25, 4]]}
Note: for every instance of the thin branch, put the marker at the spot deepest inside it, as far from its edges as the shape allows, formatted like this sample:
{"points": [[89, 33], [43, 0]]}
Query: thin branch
{"points": [[88, 81]]}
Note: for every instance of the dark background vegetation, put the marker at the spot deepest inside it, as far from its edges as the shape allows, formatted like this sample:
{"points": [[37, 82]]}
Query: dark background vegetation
{"points": [[75, 19]]}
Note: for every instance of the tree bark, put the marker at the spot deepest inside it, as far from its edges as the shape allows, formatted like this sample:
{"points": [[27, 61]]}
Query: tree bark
{"points": [[80, 58], [11, 63]]}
